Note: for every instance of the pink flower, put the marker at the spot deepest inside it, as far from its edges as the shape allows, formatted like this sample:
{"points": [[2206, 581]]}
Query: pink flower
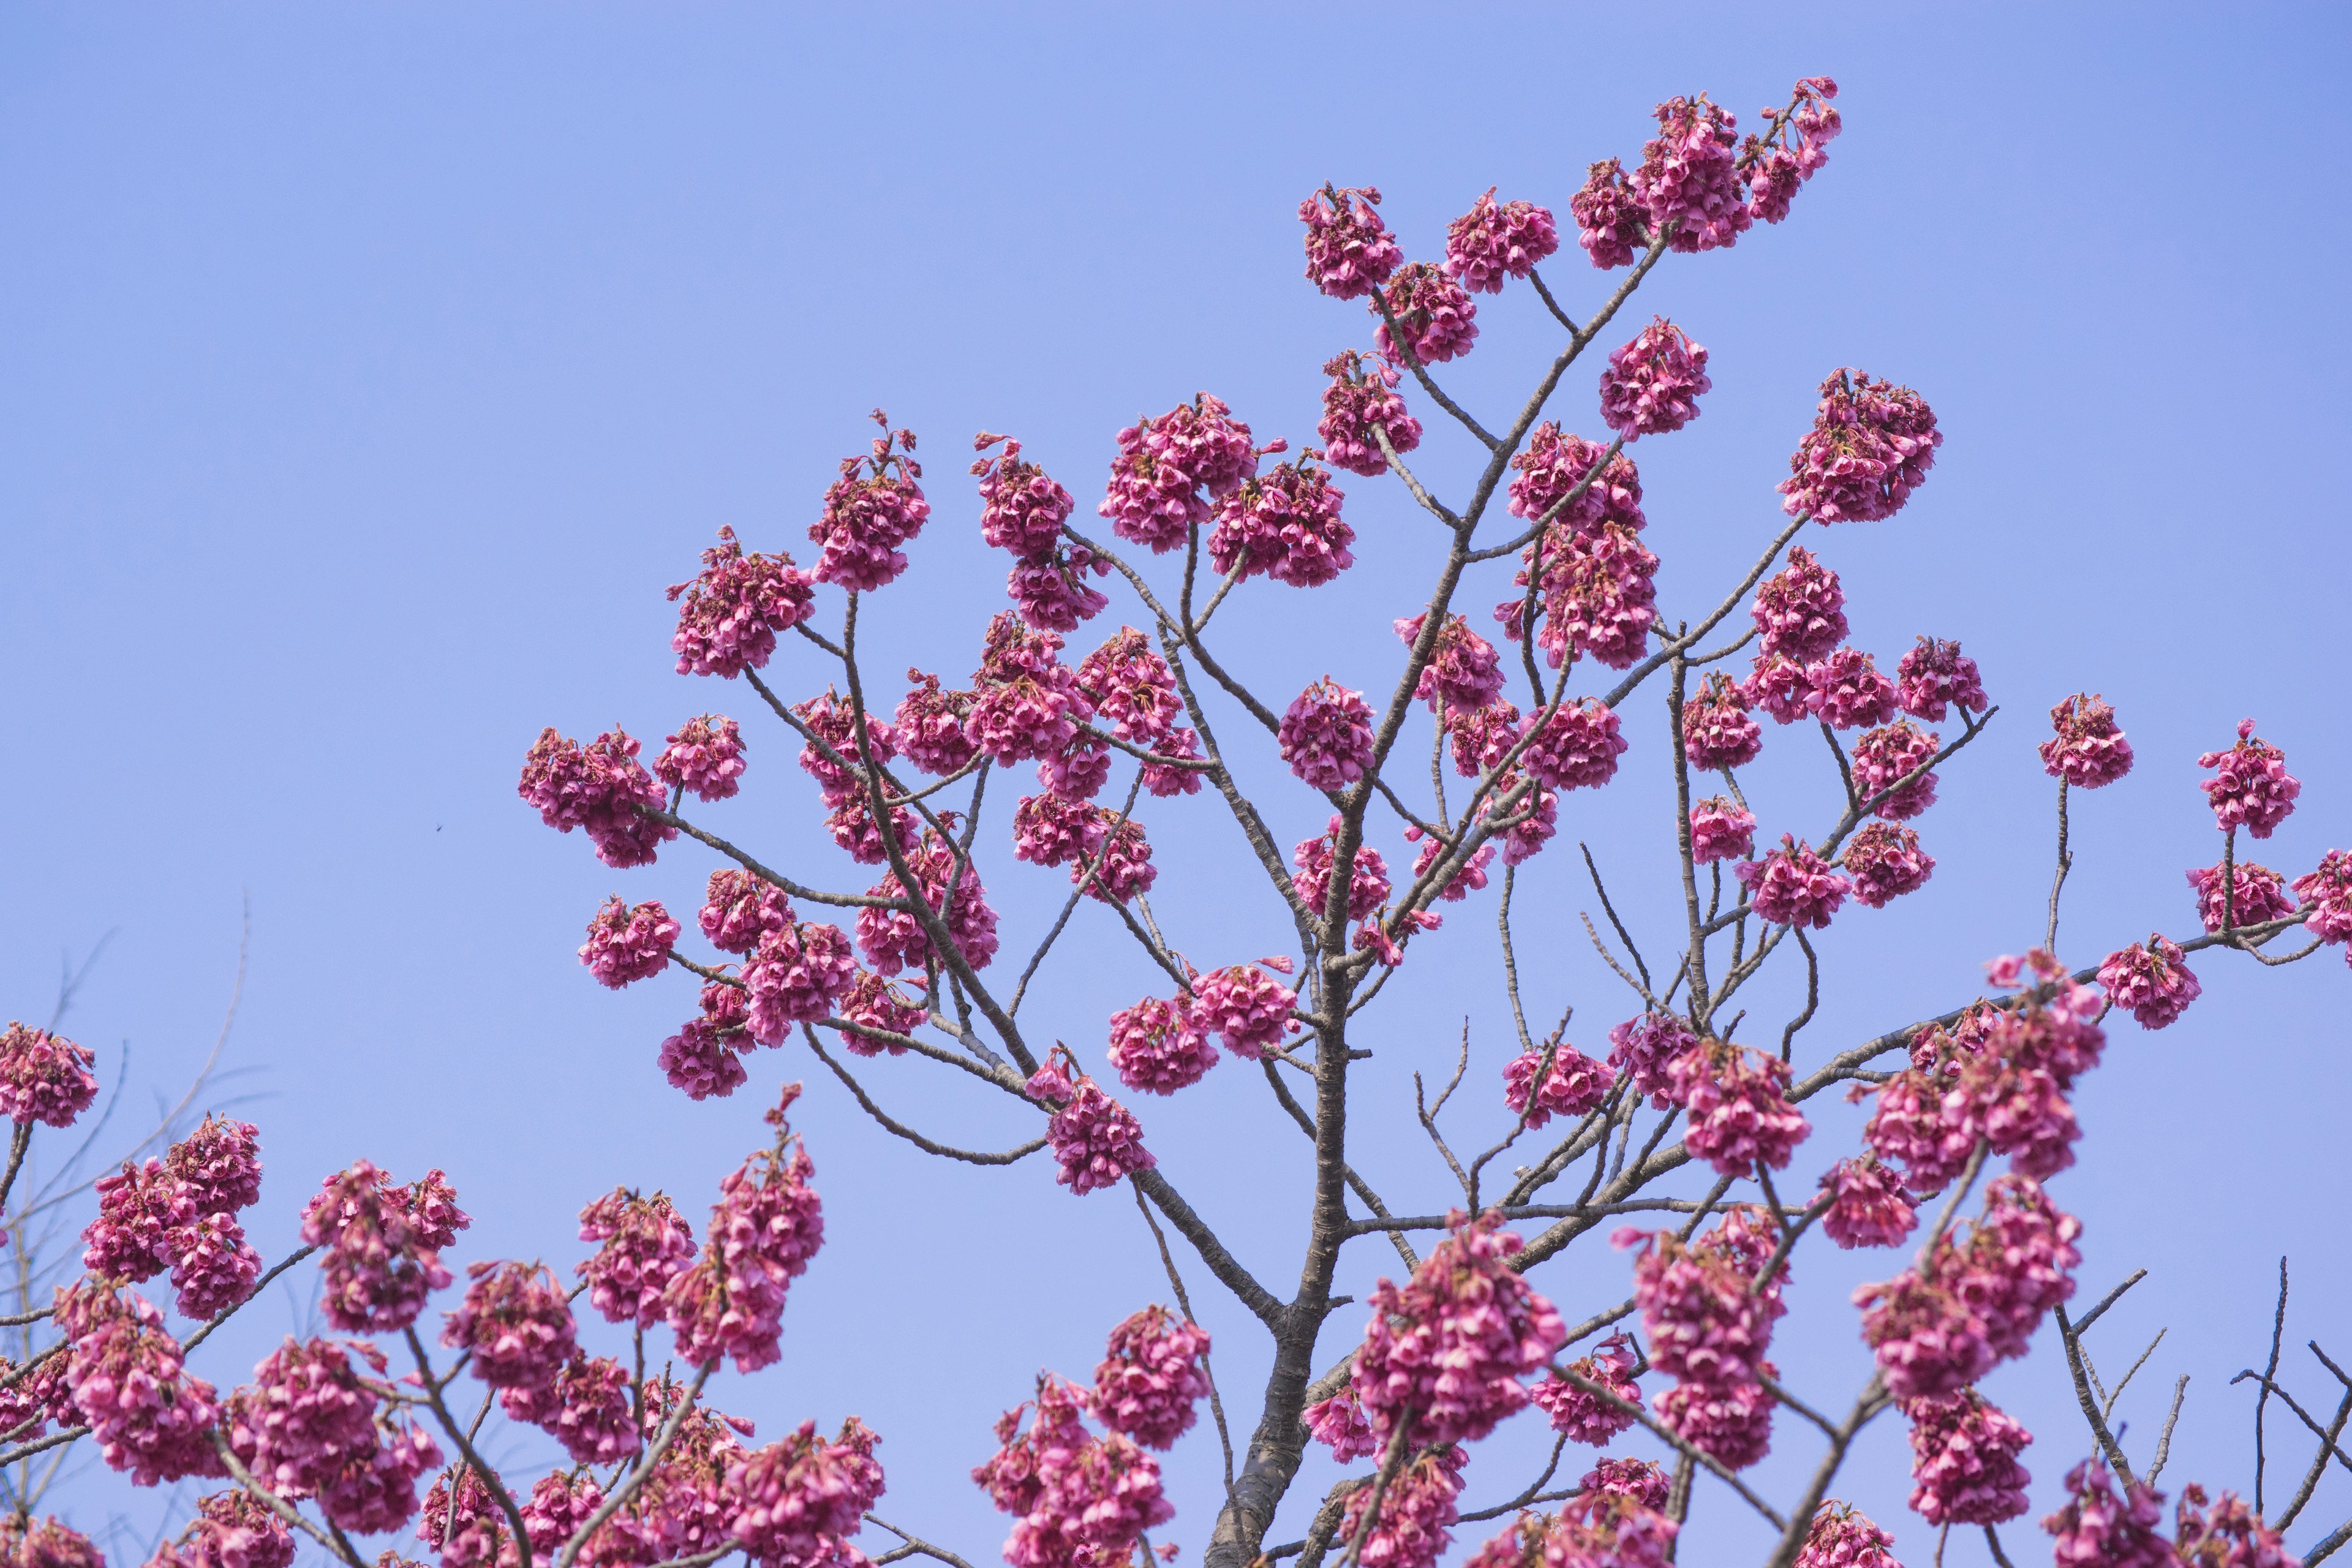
{"points": [[2012, 1265], [795, 977], [1050, 590], [217, 1166], [1846, 689], [874, 1003], [893, 940], [1451, 1345], [1569, 1084], [2232, 1536], [1922, 1125], [2255, 894], [516, 1324], [1843, 1537], [1610, 222], [1245, 1007], [585, 1406], [766, 1226], [1793, 886], [1338, 1423], [1716, 731], [1467, 880], [628, 942], [2250, 784], [1651, 386], [1126, 868], [1577, 748], [558, 1506], [1490, 243], [1537, 820], [930, 726], [1867, 1207], [1801, 610], [601, 787], [231, 1530], [1049, 831], [1097, 1142], [739, 909], [1885, 862], [1131, 687], [2327, 894], [1882, 758], [840, 768], [1706, 1325], [1170, 469], [866, 517], [43, 1078], [858, 835], [1027, 704], [1689, 177], [1871, 445], [307, 1416], [706, 756], [796, 1503], [1022, 509], [1285, 523], [2152, 978], [1721, 829], [1464, 670], [1646, 1048], [735, 608], [1598, 594], [1583, 1417], [1934, 677], [136, 1208], [151, 1417], [1358, 403], [2087, 750], [1481, 736], [1412, 1529], [646, 1246], [1349, 251], [1739, 1111], [49, 1545], [468, 1530], [1078, 773], [2095, 1529], [1438, 320], [1158, 1049], [383, 1246], [1929, 1343], [1082, 1500], [701, 1057], [1368, 882], [1327, 736], [1776, 684], [1550, 466], [213, 1265], [1150, 1379], [1640, 1480], [1729, 1422]]}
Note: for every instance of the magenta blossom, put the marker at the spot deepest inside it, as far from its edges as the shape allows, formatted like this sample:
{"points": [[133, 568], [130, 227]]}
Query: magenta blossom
{"points": [[1097, 1142], [1612, 223], [1437, 318], [1720, 829], [736, 606], [1565, 479], [1871, 445], [628, 943], [875, 507], [1793, 886], [1651, 386], [1150, 1380], [2152, 978], [1845, 691], [1936, 677], [1327, 736], [2087, 750], [2251, 785], [1867, 1207], [1885, 862], [1158, 1048], [1360, 406], [2253, 895], [1718, 733], [1451, 1345], [1022, 509], [1800, 609], [705, 756], [1558, 1079], [1491, 242], [1349, 251]]}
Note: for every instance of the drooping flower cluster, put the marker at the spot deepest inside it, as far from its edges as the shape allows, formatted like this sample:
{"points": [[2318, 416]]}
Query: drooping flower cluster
{"points": [[1598, 594], [2327, 894], [700, 1058], [1841, 1536], [383, 1245], [628, 942], [1582, 1416], [2152, 978], [601, 787], [586, 1408], [1490, 243], [1285, 523], [1026, 702], [2087, 750], [1327, 736], [1709, 1321], [1096, 1142], [1938, 1327], [1646, 1048], [1884, 757], [1150, 1382], [1556, 1080], [766, 1226], [1170, 470], [646, 1244], [1936, 677], [1358, 406], [1737, 1098], [1349, 251], [930, 726], [1552, 465], [2096, 1529], [1800, 612], [739, 909], [43, 1078], [1078, 1501], [705, 756], [1689, 177], [795, 1504], [2231, 1535], [2251, 786], [1464, 671], [1871, 445], [1651, 386], [1964, 1466], [1776, 685], [1791, 150], [1412, 1529], [49, 1545], [1867, 1207], [231, 1530], [795, 976], [1158, 1047], [1451, 1343], [735, 607], [1576, 748], [1368, 882], [152, 1417], [1792, 886], [1022, 508], [1338, 1423], [1721, 829], [307, 1426], [1885, 862], [1431, 309], [1599, 1527], [2250, 895], [893, 940], [1612, 224], [515, 1323], [1716, 731], [1245, 1007], [1845, 691], [872, 509]]}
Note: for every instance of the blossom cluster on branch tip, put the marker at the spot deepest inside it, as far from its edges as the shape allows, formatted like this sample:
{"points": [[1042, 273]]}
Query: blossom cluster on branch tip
{"points": [[1096, 1142], [1885, 862], [2251, 787], [44, 1077], [1171, 470], [179, 1213], [1646, 1048], [735, 607], [1840, 1536], [382, 1243], [601, 788], [1652, 385], [1596, 591], [1437, 317], [1582, 1416], [766, 1226], [1078, 1499], [1556, 1080], [1870, 447], [1493, 242], [1367, 880], [1360, 407], [1792, 886], [1443, 1353], [1721, 829], [1718, 733], [1708, 1308], [1548, 470], [1936, 677], [1413, 1526], [628, 943], [2087, 750], [1152, 1378], [1349, 251], [1159, 1047], [872, 509], [2152, 979], [705, 756], [1285, 524], [1737, 1099]]}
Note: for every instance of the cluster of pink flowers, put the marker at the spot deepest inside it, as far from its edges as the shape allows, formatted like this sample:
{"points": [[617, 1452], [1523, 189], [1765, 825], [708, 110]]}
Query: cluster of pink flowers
{"points": [[699, 1059], [930, 725], [1599, 1527], [1451, 1343], [1464, 671], [1841, 1536], [2231, 1535], [1245, 1007], [1577, 747], [231, 1530], [1430, 308], [601, 787], [179, 1213], [1151, 1380], [1171, 469], [307, 1426], [1689, 177], [1791, 150], [2087, 750], [1556, 1080], [795, 976], [1940, 1327], [875, 1004], [893, 940], [830, 754], [1739, 1111], [1362, 400], [1027, 704], [796, 1503], [646, 1244], [2251, 895], [1490, 243], [1721, 829], [1936, 677], [1845, 691], [515, 1323], [1051, 830], [2096, 1529], [1800, 609], [1051, 591], [1884, 757], [1368, 882], [1468, 879], [766, 1226], [1349, 251], [628, 942], [1731, 1422], [1131, 686], [1327, 736], [2251, 785], [1096, 1142], [869, 514], [1412, 1529], [2327, 896], [1776, 685], [1718, 733], [1078, 1501], [1871, 445], [1285, 523], [683, 1510], [1550, 469], [586, 1408], [1612, 224], [735, 607], [1338, 1423], [1867, 1207], [43, 1078], [1580, 1416], [383, 1245], [706, 756], [1022, 508], [1598, 591], [1158, 1048], [1964, 1466], [1929, 1343], [152, 1418], [739, 909], [1885, 862], [1709, 1321], [49, 1545], [1651, 386], [1792, 886], [2153, 979], [1646, 1048], [215, 1268]]}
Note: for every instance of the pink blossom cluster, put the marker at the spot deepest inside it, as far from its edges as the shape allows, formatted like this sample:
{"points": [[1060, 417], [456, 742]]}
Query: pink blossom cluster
{"points": [[1936, 677], [739, 909], [795, 976], [383, 1245], [1027, 704], [43, 1078], [766, 1226], [1871, 445], [1689, 178], [1051, 591], [2152, 978], [1929, 1342], [1132, 687], [1338, 1423], [1437, 318], [1792, 886], [1651, 386], [1776, 684], [1730, 1422], [1481, 737], [1078, 1501], [1096, 1142], [1349, 251], [874, 1003], [628, 942], [1576, 748], [1158, 1048], [1737, 1098], [1646, 1048], [683, 1510], [1327, 736], [1022, 507], [1791, 150], [558, 1506], [214, 1267], [1964, 1466], [1080, 772], [646, 1244], [2326, 893], [1367, 880], [872, 509], [1709, 1321], [1885, 862], [2087, 750], [1553, 464], [1800, 609], [893, 940], [1171, 469], [1721, 829], [1451, 1345], [1151, 1380], [1052, 830], [930, 726], [1597, 1528], [2229, 1535], [796, 1503], [735, 607], [1867, 1207], [1285, 523], [49, 1545], [1464, 671], [1412, 1529], [2250, 786], [1845, 691], [463, 1523], [231, 1530], [1556, 1080], [585, 1407], [1245, 1007], [152, 1418], [2250, 895], [1125, 867], [1360, 406], [138, 1206], [1492, 242], [1718, 733], [1468, 879], [1580, 1416], [2096, 1529], [1641, 1480], [699, 1059], [1884, 757], [1612, 223], [601, 787], [309, 1425], [1841, 1536], [1598, 594], [705, 756], [830, 754], [515, 1323]]}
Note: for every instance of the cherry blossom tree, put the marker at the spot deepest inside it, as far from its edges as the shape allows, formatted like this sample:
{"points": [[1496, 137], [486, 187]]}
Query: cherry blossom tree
{"points": [[377, 1429]]}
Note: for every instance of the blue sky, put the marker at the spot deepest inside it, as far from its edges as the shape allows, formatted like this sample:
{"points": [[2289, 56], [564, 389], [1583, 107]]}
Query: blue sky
{"points": [[369, 372]]}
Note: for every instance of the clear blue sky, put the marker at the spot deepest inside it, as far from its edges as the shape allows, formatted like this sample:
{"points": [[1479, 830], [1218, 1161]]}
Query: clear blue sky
{"points": [[366, 371]]}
